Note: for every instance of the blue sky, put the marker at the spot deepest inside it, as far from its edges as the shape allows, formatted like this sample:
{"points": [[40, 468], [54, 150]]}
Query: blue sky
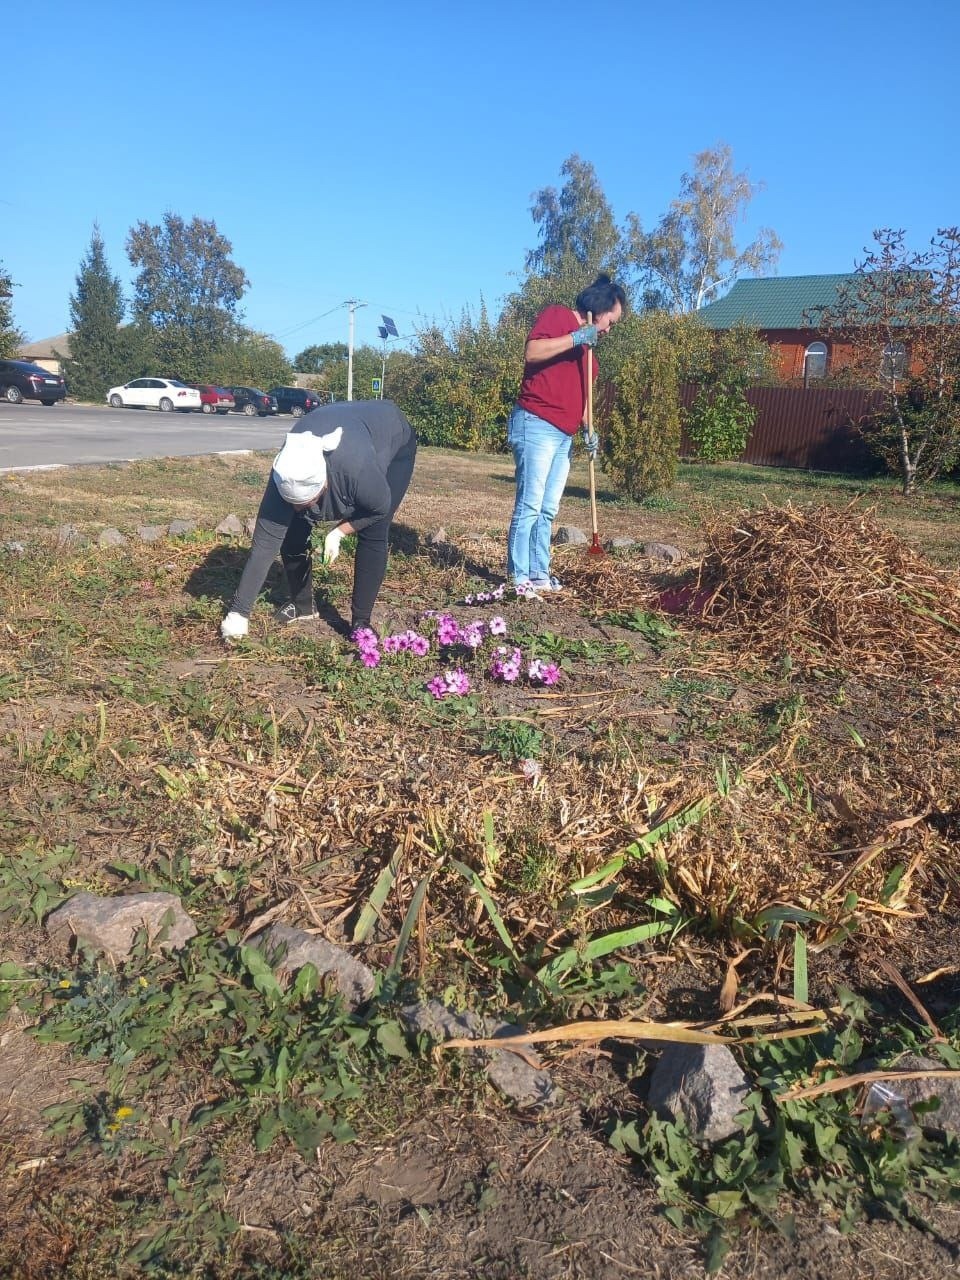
{"points": [[388, 152]]}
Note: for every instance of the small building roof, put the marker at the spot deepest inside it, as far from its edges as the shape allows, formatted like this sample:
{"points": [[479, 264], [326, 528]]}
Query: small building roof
{"points": [[776, 302], [45, 348]]}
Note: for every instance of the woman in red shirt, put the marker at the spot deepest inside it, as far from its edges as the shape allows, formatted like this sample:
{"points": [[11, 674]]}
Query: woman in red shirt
{"points": [[549, 411]]}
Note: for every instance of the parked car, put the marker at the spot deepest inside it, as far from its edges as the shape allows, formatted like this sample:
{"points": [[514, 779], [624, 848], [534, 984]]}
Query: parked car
{"points": [[251, 400], [165, 394], [295, 400], [20, 380], [213, 399]]}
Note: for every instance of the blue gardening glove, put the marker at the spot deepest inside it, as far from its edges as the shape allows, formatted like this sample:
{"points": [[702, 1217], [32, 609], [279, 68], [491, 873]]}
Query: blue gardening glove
{"points": [[591, 442], [586, 335]]}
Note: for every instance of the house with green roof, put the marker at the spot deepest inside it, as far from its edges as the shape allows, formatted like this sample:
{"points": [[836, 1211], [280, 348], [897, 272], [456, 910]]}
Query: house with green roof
{"points": [[785, 309]]}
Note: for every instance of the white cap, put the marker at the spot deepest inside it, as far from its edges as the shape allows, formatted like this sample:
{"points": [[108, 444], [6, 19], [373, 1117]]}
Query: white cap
{"points": [[300, 469]]}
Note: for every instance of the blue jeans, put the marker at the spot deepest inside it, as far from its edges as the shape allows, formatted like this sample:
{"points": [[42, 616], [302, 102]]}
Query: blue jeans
{"points": [[542, 454]]}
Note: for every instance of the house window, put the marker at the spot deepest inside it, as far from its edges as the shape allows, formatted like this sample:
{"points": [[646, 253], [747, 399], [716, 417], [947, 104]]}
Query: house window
{"points": [[815, 361], [894, 364]]}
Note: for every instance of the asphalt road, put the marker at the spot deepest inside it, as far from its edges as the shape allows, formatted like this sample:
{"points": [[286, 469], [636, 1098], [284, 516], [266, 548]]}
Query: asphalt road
{"points": [[32, 435]]}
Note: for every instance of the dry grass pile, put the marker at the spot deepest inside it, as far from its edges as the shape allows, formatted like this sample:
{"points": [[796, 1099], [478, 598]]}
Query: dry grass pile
{"points": [[827, 585], [609, 582]]}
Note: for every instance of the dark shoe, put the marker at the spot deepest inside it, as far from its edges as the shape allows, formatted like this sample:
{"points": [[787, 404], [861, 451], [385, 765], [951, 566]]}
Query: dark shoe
{"points": [[290, 613]]}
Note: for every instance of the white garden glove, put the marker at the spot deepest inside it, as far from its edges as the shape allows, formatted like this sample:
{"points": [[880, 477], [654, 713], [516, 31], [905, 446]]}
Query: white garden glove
{"points": [[331, 546], [234, 626]]}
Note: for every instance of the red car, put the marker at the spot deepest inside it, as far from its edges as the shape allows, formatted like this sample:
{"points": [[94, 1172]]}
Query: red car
{"points": [[213, 399]]}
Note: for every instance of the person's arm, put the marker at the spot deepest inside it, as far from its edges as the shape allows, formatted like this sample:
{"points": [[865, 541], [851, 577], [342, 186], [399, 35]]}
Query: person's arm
{"points": [[539, 350]]}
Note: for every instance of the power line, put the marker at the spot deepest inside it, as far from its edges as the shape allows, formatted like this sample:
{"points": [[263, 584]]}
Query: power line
{"points": [[313, 320]]}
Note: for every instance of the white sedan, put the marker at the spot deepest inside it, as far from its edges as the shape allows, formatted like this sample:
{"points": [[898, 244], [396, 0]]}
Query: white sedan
{"points": [[165, 394]]}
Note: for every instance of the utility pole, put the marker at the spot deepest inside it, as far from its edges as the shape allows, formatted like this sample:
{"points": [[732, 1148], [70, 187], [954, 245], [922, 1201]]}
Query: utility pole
{"points": [[352, 303]]}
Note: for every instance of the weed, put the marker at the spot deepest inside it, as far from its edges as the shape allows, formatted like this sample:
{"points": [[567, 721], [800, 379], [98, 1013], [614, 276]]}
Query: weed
{"points": [[652, 626], [547, 644], [513, 739], [29, 881], [818, 1149]]}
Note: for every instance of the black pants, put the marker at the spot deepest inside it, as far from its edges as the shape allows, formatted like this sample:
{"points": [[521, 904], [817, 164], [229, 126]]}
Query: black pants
{"points": [[370, 560]]}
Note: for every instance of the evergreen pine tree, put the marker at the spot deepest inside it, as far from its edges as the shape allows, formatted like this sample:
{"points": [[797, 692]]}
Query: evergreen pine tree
{"points": [[98, 349]]}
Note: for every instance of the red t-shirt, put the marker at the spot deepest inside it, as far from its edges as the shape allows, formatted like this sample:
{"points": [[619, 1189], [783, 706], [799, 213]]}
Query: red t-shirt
{"points": [[556, 390]]}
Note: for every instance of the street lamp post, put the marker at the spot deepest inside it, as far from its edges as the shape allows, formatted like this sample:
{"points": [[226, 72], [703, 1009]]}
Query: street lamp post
{"points": [[386, 330], [352, 303]]}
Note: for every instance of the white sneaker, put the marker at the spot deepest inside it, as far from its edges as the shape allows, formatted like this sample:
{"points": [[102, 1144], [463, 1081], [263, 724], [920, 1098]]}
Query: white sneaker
{"points": [[550, 584]]}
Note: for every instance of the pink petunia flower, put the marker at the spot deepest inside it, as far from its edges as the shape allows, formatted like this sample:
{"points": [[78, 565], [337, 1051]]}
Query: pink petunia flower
{"points": [[505, 664], [370, 658], [448, 630], [365, 638], [497, 626], [458, 682], [449, 684]]}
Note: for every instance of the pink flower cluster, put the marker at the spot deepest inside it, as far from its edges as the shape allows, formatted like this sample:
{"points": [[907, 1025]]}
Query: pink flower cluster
{"points": [[372, 649], [368, 644], [540, 672], [472, 636], [507, 665], [407, 642], [447, 684], [486, 597]]}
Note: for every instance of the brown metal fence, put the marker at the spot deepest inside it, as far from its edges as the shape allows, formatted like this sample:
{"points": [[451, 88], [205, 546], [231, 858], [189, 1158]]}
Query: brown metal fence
{"points": [[808, 427]]}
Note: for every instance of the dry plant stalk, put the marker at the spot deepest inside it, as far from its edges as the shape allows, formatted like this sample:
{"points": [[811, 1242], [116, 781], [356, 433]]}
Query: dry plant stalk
{"points": [[834, 586]]}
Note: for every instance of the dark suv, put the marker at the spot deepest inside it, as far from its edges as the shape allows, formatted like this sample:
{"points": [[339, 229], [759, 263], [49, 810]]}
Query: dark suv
{"points": [[20, 380], [296, 400], [251, 400]]}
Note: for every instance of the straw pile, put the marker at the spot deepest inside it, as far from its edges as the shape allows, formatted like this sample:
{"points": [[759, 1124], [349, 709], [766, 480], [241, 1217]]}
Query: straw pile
{"points": [[827, 585], [609, 582]]}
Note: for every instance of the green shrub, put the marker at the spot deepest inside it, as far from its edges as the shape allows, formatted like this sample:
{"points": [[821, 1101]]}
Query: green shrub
{"points": [[719, 423]]}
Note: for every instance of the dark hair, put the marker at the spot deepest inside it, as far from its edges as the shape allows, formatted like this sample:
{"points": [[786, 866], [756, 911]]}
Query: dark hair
{"points": [[603, 295]]}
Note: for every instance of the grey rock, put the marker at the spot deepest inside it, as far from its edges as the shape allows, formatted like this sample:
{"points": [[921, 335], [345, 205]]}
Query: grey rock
{"points": [[569, 533], [621, 544], [440, 1023], [663, 551], [437, 538], [68, 535], [249, 525], [111, 924], [702, 1085], [525, 1082], [151, 532], [111, 538], [290, 949], [230, 525], [946, 1118], [15, 548], [177, 528]]}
